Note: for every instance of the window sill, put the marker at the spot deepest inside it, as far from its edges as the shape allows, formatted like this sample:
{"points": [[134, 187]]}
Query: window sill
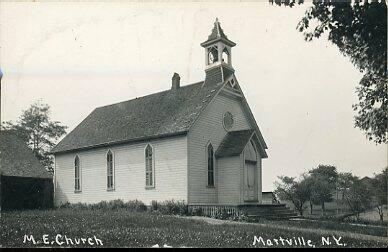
{"points": [[110, 189], [210, 187], [77, 191], [150, 187]]}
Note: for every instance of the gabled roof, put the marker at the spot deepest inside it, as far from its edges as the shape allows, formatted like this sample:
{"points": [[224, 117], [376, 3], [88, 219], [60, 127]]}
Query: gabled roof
{"points": [[168, 113], [217, 35], [16, 159], [234, 143]]}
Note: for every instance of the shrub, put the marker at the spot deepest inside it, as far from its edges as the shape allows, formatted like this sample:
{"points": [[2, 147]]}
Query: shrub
{"points": [[197, 212], [136, 206], [133, 206], [173, 207], [154, 205], [223, 215]]}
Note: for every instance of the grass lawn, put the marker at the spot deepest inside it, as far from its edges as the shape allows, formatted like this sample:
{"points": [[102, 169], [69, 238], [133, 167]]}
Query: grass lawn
{"points": [[120, 228], [331, 225]]}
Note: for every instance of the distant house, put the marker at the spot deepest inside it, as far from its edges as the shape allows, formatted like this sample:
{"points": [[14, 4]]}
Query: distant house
{"points": [[24, 182], [199, 143]]}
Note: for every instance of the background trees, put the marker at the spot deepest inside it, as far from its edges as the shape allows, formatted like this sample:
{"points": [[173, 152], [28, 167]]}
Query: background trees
{"points": [[359, 29], [323, 181], [379, 184], [320, 184], [38, 131], [357, 194], [297, 192]]}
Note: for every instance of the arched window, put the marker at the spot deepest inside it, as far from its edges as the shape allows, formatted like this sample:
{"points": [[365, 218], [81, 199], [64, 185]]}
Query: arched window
{"points": [[225, 56], [149, 166], [213, 55], [109, 170], [250, 153], [210, 165], [251, 163], [77, 175]]}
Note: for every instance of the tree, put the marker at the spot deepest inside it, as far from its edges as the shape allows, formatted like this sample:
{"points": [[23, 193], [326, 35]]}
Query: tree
{"points": [[379, 191], [296, 192], [359, 29], [357, 195], [38, 131], [322, 184], [310, 183]]}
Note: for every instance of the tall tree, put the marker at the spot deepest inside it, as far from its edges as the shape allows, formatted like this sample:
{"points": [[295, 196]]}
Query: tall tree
{"points": [[38, 131], [359, 29], [379, 192], [322, 183], [288, 188]]}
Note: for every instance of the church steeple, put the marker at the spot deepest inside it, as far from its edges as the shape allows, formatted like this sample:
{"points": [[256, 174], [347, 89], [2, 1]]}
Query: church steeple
{"points": [[218, 48], [218, 55]]}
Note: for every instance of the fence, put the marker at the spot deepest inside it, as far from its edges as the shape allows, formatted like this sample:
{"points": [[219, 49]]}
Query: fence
{"points": [[213, 210]]}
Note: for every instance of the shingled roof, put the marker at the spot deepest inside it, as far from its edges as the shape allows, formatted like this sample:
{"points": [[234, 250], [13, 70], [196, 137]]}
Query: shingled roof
{"points": [[171, 112], [17, 160], [234, 143]]}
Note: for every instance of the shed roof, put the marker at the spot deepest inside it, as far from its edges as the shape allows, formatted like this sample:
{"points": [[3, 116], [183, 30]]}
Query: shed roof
{"points": [[17, 160]]}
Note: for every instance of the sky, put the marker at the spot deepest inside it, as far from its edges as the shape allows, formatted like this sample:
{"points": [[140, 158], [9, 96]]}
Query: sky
{"points": [[79, 56]]}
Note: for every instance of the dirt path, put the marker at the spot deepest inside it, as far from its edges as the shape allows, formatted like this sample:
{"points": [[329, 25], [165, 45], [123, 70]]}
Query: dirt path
{"points": [[323, 232]]}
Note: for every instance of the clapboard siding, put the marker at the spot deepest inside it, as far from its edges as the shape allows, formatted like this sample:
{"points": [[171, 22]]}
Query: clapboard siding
{"points": [[170, 160], [209, 127], [260, 181], [229, 180]]}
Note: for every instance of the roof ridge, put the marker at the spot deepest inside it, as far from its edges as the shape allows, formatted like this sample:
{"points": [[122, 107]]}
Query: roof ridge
{"points": [[144, 96]]}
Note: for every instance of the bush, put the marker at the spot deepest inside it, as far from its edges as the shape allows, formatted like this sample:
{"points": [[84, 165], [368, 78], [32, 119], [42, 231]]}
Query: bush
{"points": [[224, 215], [136, 206], [173, 207], [197, 212], [154, 205], [133, 206]]}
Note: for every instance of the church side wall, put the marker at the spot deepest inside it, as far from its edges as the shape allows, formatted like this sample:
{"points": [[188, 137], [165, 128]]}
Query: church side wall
{"points": [[209, 127], [170, 160]]}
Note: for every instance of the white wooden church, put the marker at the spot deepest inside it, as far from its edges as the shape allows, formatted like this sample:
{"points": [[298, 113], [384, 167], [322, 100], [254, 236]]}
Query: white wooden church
{"points": [[199, 143]]}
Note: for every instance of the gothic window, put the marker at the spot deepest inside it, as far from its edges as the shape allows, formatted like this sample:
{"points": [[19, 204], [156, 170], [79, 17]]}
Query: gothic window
{"points": [[110, 172], [77, 175], [149, 166], [210, 165], [250, 153]]}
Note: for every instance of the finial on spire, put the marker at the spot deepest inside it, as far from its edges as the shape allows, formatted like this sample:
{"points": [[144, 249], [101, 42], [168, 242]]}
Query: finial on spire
{"points": [[217, 34]]}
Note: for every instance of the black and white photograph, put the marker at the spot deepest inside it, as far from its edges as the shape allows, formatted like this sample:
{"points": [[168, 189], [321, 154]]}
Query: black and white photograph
{"points": [[193, 124]]}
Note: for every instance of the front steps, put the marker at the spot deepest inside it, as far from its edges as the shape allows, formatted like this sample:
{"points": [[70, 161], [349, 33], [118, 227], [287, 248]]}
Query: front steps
{"points": [[268, 211]]}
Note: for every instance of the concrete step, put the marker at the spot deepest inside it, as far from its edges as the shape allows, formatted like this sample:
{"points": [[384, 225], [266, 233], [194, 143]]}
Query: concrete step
{"points": [[268, 211], [278, 210], [272, 217]]}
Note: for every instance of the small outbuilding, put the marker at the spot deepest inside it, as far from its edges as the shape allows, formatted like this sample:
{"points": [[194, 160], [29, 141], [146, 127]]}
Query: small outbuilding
{"points": [[24, 182]]}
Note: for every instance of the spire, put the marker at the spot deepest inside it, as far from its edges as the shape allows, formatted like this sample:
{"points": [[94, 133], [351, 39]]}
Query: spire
{"points": [[217, 35]]}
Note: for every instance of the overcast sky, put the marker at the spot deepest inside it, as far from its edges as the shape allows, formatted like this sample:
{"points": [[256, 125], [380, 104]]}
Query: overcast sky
{"points": [[78, 56]]}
